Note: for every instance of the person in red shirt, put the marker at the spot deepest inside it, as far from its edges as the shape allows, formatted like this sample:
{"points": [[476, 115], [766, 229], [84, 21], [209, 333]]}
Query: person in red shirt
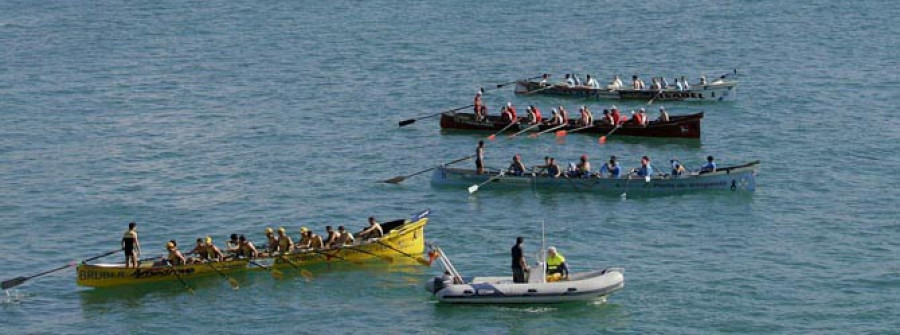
{"points": [[616, 117], [534, 115], [509, 113], [478, 103]]}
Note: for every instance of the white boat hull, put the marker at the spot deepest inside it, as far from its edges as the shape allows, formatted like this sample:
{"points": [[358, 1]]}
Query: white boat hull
{"points": [[588, 286]]}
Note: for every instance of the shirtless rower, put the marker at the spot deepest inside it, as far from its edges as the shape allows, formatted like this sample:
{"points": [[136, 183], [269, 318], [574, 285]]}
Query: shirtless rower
{"points": [[586, 118], [331, 238], [372, 231], [344, 237], [271, 242], [174, 257], [285, 243], [212, 251], [246, 248], [663, 115]]}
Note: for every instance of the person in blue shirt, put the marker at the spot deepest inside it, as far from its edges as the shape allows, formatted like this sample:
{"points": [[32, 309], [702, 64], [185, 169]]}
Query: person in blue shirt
{"points": [[710, 165], [611, 168], [646, 170], [517, 168]]}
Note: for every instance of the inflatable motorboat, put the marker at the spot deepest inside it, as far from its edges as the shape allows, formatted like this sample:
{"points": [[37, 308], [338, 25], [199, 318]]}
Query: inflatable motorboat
{"points": [[584, 286]]}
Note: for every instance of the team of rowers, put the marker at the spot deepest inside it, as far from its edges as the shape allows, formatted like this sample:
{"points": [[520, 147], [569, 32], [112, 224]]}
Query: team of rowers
{"points": [[610, 169], [240, 247], [560, 116], [656, 83]]}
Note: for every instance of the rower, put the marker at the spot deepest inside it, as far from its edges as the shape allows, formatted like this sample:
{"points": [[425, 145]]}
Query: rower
{"points": [[199, 250], [516, 168], [641, 118], [213, 252], [586, 118], [584, 167], [616, 83], [703, 80], [677, 168], [315, 241], [607, 119], [553, 170], [685, 84], [131, 246], [285, 243], [635, 82], [663, 115], [592, 83], [332, 237], [542, 167], [545, 78], [372, 231], [616, 117], [678, 85], [556, 265], [271, 240], [344, 237], [563, 114], [509, 114], [663, 83], [479, 158], [554, 118], [534, 115], [611, 168], [645, 170], [303, 241], [232, 245], [569, 81], [577, 80], [174, 256], [246, 248], [710, 165]]}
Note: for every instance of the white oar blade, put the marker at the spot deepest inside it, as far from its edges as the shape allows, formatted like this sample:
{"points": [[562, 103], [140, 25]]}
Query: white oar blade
{"points": [[647, 179], [473, 189]]}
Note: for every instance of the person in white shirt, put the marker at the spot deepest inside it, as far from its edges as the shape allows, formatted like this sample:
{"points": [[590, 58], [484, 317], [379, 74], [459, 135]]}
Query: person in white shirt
{"points": [[577, 80], [663, 82], [685, 84], [592, 82], [663, 115], [678, 85], [569, 80]]}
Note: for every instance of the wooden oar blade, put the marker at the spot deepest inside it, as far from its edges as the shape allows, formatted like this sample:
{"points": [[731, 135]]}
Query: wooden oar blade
{"points": [[277, 274], [395, 180], [306, 274], [234, 283], [13, 282], [407, 122], [190, 290]]}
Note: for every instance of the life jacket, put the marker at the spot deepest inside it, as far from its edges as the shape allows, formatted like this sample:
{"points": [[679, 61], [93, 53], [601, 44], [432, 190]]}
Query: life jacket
{"points": [[553, 262], [512, 112], [616, 117], [564, 114], [537, 115], [639, 118]]}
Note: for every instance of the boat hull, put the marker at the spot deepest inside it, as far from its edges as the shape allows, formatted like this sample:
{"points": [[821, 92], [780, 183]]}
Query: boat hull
{"points": [[407, 236], [735, 178], [501, 290], [681, 126], [715, 91]]}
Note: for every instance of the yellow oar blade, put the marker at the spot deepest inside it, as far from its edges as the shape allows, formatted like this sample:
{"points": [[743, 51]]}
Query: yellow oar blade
{"points": [[306, 274], [422, 261], [190, 290], [277, 274], [234, 283]]}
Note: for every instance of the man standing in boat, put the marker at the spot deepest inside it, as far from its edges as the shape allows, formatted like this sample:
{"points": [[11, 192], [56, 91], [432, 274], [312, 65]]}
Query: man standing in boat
{"points": [[131, 246], [519, 265]]}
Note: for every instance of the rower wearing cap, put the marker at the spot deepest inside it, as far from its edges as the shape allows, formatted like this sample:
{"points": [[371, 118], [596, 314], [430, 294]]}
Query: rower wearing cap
{"points": [[212, 251], [130, 246], [616, 116], [509, 113], [271, 240], [611, 168], [516, 168], [344, 237], [372, 231], [285, 243], [174, 256], [640, 118], [303, 241]]}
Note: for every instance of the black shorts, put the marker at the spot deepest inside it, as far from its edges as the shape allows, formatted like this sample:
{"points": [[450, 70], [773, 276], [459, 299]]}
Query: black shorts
{"points": [[479, 164]]}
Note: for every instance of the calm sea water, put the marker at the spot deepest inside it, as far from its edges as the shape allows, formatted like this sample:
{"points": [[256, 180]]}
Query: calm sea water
{"points": [[214, 117]]}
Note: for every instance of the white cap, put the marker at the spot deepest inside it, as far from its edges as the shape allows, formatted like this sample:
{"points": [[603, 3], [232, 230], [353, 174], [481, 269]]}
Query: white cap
{"points": [[508, 104], [613, 107], [478, 93], [553, 110], [662, 108], [641, 110]]}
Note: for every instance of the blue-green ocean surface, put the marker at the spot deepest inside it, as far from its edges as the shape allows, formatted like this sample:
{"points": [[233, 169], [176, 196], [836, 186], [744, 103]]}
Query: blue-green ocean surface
{"points": [[219, 117]]}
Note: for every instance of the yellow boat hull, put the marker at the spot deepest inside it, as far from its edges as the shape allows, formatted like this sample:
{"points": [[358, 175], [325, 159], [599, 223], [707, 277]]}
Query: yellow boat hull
{"points": [[408, 238]]}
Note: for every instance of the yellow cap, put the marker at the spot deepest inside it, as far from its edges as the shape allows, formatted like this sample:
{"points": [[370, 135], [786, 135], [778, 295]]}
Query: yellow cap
{"points": [[269, 230], [281, 230], [208, 240], [170, 245], [304, 229]]}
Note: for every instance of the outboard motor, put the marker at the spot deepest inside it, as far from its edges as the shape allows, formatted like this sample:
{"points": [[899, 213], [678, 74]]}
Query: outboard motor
{"points": [[434, 285]]}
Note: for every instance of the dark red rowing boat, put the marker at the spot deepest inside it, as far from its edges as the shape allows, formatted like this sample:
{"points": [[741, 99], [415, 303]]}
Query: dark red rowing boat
{"points": [[683, 126]]}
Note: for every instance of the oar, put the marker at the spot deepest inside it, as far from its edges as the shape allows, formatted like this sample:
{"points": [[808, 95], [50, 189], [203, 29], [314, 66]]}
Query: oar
{"points": [[385, 258], [399, 179], [275, 272], [411, 121], [654, 98], [564, 132], [538, 90], [494, 135], [603, 138], [355, 262], [178, 276], [548, 130], [233, 282], [303, 272], [419, 259], [474, 188], [8, 284], [526, 129], [515, 81]]}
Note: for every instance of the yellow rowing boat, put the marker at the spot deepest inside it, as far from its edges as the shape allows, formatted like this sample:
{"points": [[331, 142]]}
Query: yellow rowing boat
{"points": [[403, 238]]}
